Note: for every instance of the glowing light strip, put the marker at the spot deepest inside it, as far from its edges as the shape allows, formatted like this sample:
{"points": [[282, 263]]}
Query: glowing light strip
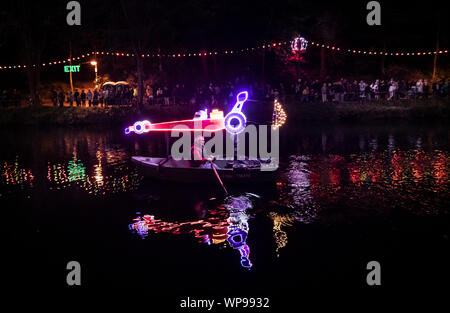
{"points": [[279, 115], [216, 120], [231, 52], [141, 127], [236, 114]]}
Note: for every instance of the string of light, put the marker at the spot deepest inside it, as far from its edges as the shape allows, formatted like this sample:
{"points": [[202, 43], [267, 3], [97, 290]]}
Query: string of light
{"points": [[203, 53], [279, 115]]}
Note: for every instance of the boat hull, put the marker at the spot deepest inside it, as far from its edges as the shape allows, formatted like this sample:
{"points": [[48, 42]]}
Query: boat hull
{"points": [[180, 171]]}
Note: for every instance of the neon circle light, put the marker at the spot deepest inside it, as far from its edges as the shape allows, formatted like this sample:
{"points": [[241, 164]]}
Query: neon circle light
{"points": [[239, 127], [139, 127], [146, 125]]}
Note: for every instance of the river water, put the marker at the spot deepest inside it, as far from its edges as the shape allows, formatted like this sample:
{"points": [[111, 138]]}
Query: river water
{"points": [[345, 195]]}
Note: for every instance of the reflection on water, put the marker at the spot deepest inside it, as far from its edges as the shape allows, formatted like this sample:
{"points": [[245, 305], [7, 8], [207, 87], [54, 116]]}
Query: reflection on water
{"points": [[225, 222], [238, 226], [13, 174], [81, 160], [326, 177], [371, 181], [211, 229], [75, 173], [279, 235]]}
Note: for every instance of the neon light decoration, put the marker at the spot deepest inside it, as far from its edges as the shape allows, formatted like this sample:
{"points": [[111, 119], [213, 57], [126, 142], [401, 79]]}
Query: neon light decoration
{"points": [[201, 115], [279, 115], [298, 47], [213, 124], [299, 44], [234, 122], [237, 115]]}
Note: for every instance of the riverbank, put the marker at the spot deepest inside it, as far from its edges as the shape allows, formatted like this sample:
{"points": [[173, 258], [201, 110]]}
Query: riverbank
{"points": [[79, 116], [431, 109]]}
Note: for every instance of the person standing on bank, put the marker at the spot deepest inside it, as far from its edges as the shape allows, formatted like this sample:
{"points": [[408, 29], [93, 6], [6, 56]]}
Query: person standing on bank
{"points": [[83, 98], [89, 97], [95, 97], [61, 98], [77, 97]]}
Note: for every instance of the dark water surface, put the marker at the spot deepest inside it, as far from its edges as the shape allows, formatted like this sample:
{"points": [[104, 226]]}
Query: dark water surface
{"points": [[345, 195]]}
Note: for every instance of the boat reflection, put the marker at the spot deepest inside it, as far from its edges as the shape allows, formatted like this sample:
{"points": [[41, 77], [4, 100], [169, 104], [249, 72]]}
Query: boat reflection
{"points": [[224, 223], [238, 226]]}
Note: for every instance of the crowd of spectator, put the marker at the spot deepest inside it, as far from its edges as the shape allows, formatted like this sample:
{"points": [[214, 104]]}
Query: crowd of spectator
{"points": [[105, 96], [341, 90], [344, 90], [77, 98], [222, 95]]}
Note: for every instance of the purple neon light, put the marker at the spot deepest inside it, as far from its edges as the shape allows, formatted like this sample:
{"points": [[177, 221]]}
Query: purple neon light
{"points": [[236, 113], [235, 116], [139, 127]]}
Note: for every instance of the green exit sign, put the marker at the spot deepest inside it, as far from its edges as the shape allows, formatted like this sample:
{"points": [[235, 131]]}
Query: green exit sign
{"points": [[71, 68]]}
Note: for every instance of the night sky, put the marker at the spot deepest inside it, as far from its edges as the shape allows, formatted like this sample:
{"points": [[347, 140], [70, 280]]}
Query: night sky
{"points": [[196, 25]]}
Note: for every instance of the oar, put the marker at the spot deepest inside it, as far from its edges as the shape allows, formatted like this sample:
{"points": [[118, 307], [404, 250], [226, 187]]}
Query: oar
{"points": [[218, 177]]}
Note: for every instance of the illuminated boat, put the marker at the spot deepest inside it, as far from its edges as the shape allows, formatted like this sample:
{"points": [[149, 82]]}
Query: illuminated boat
{"points": [[181, 170]]}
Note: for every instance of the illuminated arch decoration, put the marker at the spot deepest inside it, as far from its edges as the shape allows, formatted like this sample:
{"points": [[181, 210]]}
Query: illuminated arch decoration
{"points": [[279, 115], [237, 115]]}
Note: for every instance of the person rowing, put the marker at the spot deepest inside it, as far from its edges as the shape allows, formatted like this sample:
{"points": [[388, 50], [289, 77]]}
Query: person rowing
{"points": [[197, 154]]}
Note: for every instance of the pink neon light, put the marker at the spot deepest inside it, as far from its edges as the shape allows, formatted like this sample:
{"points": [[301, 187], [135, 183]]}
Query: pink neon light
{"points": [[218, 124]]}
